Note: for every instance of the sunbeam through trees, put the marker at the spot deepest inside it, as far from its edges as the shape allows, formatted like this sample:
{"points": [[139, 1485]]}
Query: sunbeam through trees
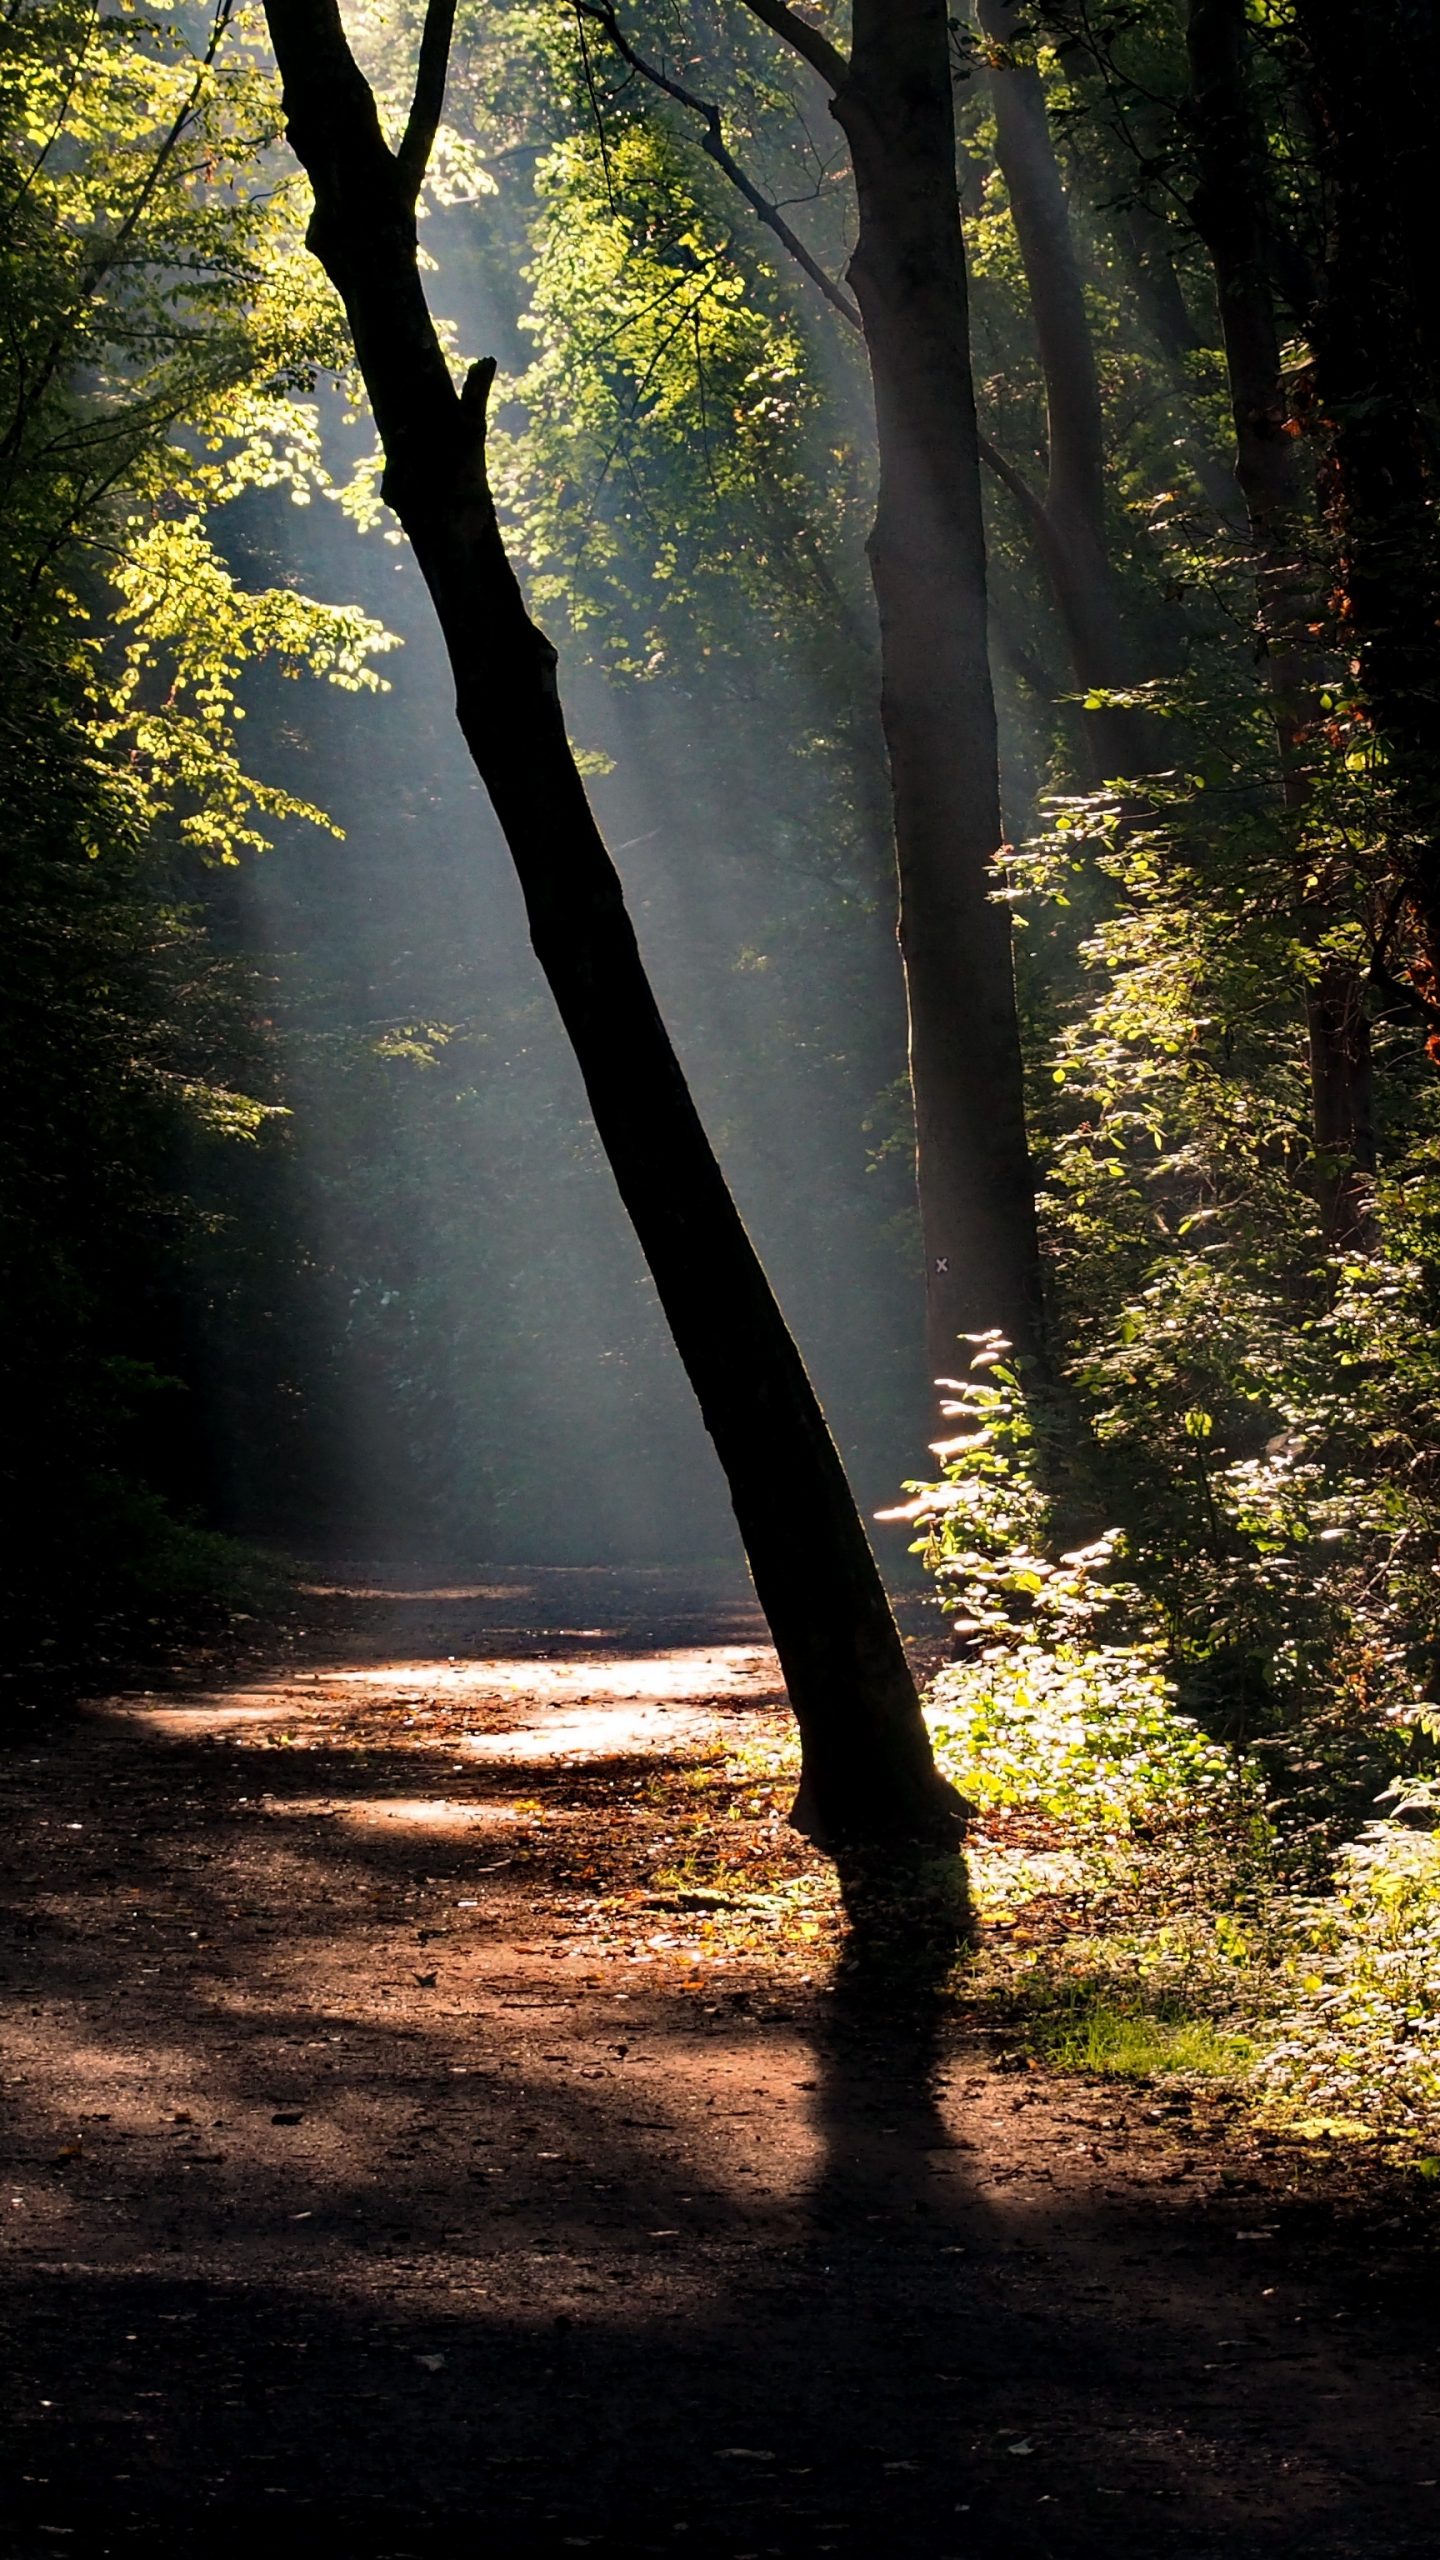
{"points": [[720, 1215]]}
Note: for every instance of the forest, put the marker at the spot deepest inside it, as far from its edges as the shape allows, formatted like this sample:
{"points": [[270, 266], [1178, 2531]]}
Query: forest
{"points": [[721, 761]]}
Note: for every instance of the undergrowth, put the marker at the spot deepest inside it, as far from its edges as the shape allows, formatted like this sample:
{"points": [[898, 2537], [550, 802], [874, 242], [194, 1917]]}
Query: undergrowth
{"points": [[1090, 2028], [1150, 1900]]}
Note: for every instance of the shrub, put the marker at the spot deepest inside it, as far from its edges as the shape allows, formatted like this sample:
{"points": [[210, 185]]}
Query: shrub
{"points": [[1089, 1739], [1060, 1708], [1357, 2040]]}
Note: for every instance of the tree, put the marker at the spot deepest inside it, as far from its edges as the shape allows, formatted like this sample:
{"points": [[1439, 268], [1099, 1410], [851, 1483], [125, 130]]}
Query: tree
{"points": [[892, 99], [1231, 206], [1374, 97], [1067, 520], [868, 1775]]}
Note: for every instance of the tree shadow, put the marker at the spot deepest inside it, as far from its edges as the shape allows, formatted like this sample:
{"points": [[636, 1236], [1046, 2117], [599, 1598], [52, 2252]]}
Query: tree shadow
{"points": [[883, 2027], [884, 2039], [760, 2273]]}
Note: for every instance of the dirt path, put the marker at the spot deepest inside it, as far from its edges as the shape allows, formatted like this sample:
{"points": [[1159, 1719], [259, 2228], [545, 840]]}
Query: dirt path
{"points": [[395, 2167]]}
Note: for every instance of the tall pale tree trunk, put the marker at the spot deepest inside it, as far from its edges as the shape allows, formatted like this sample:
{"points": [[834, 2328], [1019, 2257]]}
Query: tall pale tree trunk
{"points": [[893, 101], [1068, 522], [869, 1777]]}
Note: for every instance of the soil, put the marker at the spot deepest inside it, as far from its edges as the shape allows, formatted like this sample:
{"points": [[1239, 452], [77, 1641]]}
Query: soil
{"points": [[407, 2156]]}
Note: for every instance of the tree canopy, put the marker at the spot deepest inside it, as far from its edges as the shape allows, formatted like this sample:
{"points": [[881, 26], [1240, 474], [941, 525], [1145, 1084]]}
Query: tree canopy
{"points": [[286, 1121]]}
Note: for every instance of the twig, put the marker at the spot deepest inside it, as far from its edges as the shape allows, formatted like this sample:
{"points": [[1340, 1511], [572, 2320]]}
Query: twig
{"points": [[580, 17], [712, 142], [1028, 500]]}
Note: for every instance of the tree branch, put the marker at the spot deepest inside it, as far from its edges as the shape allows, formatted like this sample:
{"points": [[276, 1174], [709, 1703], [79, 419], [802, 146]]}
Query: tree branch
{"points": [[1028, 500], [112, 249], [713, 143], [119, 239], [1030, 505], [804, 39], [428, 103]]}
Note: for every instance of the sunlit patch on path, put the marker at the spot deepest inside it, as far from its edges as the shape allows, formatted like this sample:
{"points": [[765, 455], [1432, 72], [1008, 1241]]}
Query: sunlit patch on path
{"points": [[433, 2111], [225, 1712], [433, 1813], [589, 1705]]}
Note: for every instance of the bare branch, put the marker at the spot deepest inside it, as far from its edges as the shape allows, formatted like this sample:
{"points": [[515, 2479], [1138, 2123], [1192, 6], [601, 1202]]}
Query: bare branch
{"points": [[427, 106], [805, 40], [110, 252], [1029, 502], [1030, 505], [712, 141]]}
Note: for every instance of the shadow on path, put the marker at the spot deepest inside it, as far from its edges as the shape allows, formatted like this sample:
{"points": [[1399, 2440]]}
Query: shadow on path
{"points": [[357, 2214]]}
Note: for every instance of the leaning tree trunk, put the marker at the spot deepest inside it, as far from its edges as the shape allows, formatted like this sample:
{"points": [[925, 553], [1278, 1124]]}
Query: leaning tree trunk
{"points": [[927, 560], [868, 1774], [1230, 207]]}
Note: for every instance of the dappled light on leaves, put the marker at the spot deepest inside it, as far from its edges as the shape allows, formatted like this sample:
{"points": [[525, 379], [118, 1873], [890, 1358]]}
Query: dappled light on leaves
{"points": [[502, 2046]]}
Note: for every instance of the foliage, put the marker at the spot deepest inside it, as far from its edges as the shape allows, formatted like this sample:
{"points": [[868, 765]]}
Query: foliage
{"points": [[1091, 1741], [1260, 1415], [1355, 2041], [668, 408], [1156, 1835], [989, 1520], [160, 328], [1059, 1709], [162, 318]]}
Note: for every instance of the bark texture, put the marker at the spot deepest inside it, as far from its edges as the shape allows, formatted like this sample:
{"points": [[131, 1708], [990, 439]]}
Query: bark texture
{"points": [[869, 1776]]}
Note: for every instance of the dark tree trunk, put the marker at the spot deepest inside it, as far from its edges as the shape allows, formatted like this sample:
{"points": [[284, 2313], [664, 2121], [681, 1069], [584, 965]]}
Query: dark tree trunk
{"points": [[1069, 523], [868, 1771], [1342, 1087], [1231, 212], [1374, 86], [927, 560]]}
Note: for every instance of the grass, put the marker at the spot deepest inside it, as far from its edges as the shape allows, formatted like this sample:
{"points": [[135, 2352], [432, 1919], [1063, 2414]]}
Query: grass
{"points": [[1120, 2040], [1073, 2000]]}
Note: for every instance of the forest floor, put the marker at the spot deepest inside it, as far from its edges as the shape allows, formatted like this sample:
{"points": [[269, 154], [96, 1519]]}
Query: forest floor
{"points": [[410, 2153]]}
